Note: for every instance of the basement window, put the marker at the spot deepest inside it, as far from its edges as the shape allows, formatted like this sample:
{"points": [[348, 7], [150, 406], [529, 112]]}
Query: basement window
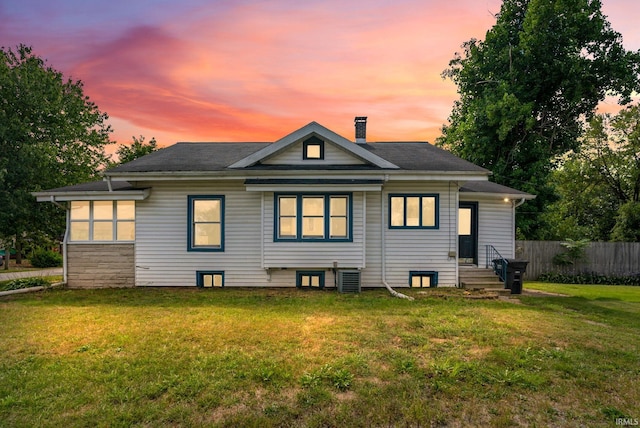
{"points": [[310, 279], [210, 279], [423, 279]]}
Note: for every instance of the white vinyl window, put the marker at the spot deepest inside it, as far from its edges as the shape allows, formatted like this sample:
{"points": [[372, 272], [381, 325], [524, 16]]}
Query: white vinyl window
{"points": [[102, 221]]}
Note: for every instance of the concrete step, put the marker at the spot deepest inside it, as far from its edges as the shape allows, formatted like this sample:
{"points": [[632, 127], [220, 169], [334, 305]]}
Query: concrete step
{"points": [[479, 278]]}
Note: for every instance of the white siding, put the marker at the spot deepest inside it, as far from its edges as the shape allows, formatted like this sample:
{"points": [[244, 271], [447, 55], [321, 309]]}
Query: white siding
{"points": [[313, 254], [333, 155], [410, 249], [162, 258], [495, 225], [252, 258]]}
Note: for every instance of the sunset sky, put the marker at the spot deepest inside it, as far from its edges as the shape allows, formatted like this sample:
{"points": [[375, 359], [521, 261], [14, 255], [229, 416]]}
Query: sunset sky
{"points": [[242, 70]]}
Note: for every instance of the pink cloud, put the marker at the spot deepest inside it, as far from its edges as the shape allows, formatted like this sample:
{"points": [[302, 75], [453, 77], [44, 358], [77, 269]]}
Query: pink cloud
{"points": [[246, 71]]}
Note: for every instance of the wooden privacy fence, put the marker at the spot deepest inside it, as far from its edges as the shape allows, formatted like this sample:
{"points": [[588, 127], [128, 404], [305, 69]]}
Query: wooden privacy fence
{"points": [[603, 258]]}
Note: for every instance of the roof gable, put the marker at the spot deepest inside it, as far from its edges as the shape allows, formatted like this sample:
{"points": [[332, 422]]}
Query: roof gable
{"points": [[314, 129]]}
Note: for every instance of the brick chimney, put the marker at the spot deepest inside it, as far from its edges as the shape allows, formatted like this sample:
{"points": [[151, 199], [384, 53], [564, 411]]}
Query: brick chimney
{"points": [[361, 129]]}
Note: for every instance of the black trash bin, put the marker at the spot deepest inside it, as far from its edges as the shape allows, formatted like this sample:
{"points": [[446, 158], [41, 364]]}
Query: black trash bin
{"points": [[515, 270]]}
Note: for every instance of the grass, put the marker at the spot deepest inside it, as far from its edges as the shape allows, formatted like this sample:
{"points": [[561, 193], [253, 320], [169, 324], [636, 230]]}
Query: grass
{"points": [[159, 357]]}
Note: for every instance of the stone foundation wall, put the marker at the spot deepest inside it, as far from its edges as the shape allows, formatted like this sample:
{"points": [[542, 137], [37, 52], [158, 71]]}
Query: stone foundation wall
{"points": [[100, 265]]}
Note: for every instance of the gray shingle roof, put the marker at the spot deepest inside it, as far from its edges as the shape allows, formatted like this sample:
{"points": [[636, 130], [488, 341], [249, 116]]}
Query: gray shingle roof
{"points": [[184, 157], [421, 156], [205, 157], [95, 186], [491, 187]]}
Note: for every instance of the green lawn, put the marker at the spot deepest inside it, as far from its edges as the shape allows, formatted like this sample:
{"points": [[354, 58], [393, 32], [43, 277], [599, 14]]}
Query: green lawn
{"points": [[154, 357]]}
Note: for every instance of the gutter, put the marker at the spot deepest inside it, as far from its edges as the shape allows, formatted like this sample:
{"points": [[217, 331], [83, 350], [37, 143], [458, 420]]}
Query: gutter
{"points": [[393, 292], [520, 202]]}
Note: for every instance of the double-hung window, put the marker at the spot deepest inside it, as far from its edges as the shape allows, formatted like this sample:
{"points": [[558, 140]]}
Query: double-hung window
{"points": [[408, 211], [313, 217], [102, 221], [206, 223]]}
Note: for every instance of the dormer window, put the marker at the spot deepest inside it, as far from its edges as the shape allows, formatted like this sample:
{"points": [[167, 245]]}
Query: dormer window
{"points": [[313, 148]]}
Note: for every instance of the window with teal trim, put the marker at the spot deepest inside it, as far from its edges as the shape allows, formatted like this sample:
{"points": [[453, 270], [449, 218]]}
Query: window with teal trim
{"points": [[408, 211], [313, 217], [313, 148], [206, 223], [210, 279], [423, 279], [310, 279]]}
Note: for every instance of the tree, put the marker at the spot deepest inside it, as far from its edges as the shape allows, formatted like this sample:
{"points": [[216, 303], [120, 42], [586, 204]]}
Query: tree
{"points": [[137, 149], [584, 209], [527, 88], [599, 185], [627, 228], [51, 135]]}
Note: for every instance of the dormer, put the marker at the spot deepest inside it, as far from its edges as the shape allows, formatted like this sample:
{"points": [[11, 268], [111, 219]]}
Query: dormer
{"points": [[313, 145]]}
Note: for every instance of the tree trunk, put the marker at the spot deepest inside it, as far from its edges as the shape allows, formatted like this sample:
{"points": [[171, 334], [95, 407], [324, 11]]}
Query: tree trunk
{"points": [[7, 256], [18, 252]]}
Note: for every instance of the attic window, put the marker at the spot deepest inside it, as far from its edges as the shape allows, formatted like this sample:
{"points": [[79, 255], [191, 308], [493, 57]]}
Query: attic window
{"points": [[313, 148]]}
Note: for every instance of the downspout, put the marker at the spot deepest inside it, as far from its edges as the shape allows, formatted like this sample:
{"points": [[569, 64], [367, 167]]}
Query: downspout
{"points": [[65, 238], [393, 292], [108, 180], [513, 226]]}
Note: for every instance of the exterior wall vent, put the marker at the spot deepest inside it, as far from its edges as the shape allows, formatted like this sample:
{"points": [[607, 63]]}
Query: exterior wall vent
{"points": [[349, 281]]}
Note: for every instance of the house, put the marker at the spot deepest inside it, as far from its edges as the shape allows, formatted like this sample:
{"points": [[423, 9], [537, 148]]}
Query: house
{"points": [[312, 209]]}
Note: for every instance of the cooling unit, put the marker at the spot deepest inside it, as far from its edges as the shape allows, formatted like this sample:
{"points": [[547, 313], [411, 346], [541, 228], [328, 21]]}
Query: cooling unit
{"points": [[349, 281]]}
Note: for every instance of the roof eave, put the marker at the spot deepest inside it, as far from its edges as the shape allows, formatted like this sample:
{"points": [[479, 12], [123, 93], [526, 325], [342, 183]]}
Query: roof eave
{"points": [[500, 195], [93, 195], [241, 174]]}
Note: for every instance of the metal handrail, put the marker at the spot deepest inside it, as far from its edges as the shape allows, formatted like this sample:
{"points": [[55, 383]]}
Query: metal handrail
{"points": [[497, 262]]}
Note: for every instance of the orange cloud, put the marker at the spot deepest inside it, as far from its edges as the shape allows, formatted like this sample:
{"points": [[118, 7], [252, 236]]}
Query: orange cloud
{"points": [[253, 71]]}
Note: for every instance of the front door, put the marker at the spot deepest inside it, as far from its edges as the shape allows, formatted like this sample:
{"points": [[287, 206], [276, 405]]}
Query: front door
{"points": [[468, 233]]}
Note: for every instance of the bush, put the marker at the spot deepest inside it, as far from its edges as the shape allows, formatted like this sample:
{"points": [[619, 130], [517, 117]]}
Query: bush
{"points": [[17, 284], [590, 278], [46, 259]]}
